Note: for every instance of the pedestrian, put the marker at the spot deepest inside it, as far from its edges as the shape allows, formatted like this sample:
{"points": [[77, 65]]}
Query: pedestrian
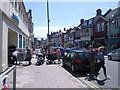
{"points": [[12, 55], [28, 55], [44, 47], [92, 59], [51, 49], [100, 62], [58, 55], [43, 52]]}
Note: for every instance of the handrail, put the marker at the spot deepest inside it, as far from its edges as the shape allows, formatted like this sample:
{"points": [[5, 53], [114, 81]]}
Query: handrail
{"points": [[3, 76], [7, 71]]}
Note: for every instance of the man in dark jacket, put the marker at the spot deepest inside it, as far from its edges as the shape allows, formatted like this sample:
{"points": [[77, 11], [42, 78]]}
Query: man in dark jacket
{"points": [[92, 59], [28, 55]]}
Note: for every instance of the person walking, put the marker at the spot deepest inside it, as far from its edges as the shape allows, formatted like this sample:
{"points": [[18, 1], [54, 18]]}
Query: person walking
{"points": [[51, 49], [28, 55], [43, 52], [101, 62], [58, 55], [92, 59]]}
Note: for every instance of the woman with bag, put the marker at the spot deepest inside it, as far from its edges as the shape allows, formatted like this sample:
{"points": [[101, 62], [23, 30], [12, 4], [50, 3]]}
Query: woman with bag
{"points": [[100, 62]]}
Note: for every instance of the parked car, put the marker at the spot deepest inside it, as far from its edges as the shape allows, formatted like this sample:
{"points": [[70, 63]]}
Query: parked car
{"points": [[77, 60], [114, 55]]}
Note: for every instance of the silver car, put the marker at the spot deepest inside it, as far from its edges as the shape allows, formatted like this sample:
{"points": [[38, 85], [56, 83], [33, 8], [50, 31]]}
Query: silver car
{"points": [[114, 55]]}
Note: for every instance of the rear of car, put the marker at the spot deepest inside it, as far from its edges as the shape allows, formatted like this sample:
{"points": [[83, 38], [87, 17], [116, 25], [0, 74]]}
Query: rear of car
{"points": [[77, 60], [81, 61]]}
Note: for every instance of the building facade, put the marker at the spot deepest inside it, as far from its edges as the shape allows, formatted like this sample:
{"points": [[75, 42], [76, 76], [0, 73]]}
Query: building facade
{"points": [[114, 30], [15, 28]]}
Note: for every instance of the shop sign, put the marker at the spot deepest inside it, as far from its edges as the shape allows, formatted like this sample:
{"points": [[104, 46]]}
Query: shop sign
{"points": [[15, 18], [31, 35]]}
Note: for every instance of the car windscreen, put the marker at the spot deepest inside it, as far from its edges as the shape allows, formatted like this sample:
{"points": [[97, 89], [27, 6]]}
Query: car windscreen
{"points": [[83, 54]]}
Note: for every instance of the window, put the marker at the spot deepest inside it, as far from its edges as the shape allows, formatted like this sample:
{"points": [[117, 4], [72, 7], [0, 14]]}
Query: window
{"points": [[20, 41], [15, 5], [90, 21], [102, 26], [23, 18], [85, 23], [23, 42], [72, 55], [19, 10], [98, 27], [21, 13]]}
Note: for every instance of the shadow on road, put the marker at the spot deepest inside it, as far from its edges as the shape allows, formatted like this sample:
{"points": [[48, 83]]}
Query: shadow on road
{"points": [[84, 74], [101, 82]]}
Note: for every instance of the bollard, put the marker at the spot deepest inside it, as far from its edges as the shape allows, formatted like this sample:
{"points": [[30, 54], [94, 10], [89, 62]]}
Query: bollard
{"points": [[14, 79]]}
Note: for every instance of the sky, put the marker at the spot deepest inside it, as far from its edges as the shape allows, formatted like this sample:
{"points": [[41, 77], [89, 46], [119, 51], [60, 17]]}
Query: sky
{"points": [[63, 14]]}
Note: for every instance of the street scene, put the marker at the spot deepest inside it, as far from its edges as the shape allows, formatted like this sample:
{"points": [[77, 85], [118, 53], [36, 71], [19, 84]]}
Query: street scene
{"points": [[59, 44]]}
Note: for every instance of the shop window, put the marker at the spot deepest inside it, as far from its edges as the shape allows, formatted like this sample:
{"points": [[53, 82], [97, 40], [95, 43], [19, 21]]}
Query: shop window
{"points": [[23, 42]]}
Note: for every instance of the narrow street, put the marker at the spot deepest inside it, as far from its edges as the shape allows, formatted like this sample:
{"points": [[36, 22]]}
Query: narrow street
{"points": [[56, 76]]}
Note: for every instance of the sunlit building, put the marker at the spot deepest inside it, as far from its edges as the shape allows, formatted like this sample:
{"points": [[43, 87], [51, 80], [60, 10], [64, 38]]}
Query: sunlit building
{"points": [[16, 28]]}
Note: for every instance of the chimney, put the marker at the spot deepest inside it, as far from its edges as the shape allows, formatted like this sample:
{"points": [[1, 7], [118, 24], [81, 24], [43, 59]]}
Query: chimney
{"points": [[64, 29], [98, 12], [81, 21], [30, 13]]}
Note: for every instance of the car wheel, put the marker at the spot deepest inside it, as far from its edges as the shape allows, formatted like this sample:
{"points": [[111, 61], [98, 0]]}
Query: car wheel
{"points": [[109, 58], [73, 68]]}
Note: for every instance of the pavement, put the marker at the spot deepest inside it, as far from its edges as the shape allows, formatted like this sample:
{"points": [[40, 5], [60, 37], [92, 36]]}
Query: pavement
{"points": [[45, 76]]}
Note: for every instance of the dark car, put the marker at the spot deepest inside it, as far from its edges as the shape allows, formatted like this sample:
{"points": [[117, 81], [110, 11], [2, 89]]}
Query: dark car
{"points": [[77, 60]]}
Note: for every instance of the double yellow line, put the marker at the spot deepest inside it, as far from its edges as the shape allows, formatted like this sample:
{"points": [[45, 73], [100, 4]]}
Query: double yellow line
{"points": [[89, 83]]}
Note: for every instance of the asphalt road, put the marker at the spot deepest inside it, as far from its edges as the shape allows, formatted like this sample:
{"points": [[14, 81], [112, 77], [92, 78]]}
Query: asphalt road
{"points": [[113, 68]]}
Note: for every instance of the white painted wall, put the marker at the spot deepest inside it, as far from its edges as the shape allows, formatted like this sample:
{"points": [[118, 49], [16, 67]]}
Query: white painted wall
{"points": [[7, 8], [5, 25], [12, 38], [4, 46]]}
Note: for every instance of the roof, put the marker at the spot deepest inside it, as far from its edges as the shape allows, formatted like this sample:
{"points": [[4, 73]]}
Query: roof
{"points": [[111, 13]]}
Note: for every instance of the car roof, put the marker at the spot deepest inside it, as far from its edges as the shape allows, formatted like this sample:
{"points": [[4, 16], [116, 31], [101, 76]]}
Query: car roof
{"points": [[78, 51]]}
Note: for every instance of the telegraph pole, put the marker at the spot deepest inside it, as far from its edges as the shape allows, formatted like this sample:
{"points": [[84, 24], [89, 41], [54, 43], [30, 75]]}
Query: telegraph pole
{"points": [[48, 37]]}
